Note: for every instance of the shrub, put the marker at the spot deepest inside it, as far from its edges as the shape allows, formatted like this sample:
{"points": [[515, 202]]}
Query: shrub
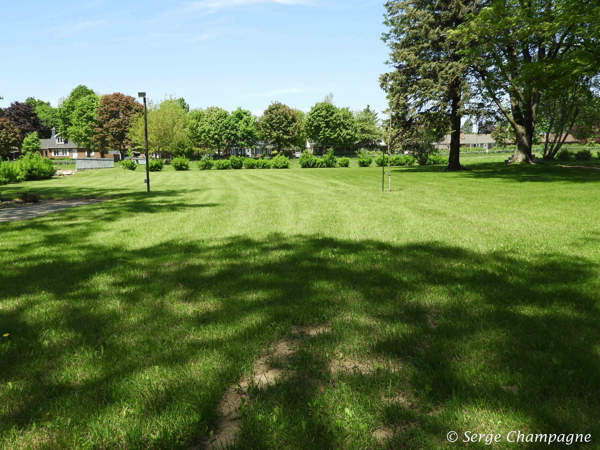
{"points": [[10, 172], [263, 164], [205, 164], [564, 155], [34, 167], [129, 164], [320, 163], [403, 160], [583, 155], [344, 162], [435, 159], [181, 163], [330, 159], [364, 160], [250, 163], [156, 165], [280, 162], [381, 160], [307, 160], [222, 164], [29, 197], [598, 154], [237, 162]]}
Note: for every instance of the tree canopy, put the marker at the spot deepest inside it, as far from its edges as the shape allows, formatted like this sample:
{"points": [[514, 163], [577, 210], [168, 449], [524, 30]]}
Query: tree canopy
{"points": [[282, 127], [240, 130], [67, 108], [23, 116], [84, 124], [10, 137], [329, 126], [31, 144], [114, 117], [208, 128], [367, 127]]}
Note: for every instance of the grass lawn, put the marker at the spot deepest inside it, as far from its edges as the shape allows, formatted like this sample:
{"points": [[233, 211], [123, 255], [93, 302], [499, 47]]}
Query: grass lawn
{"points": [[465, 302]]}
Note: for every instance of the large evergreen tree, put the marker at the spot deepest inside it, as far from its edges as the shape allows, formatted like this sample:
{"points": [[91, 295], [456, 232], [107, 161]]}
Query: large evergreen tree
{"points": [[368, 132], [428, 82]]}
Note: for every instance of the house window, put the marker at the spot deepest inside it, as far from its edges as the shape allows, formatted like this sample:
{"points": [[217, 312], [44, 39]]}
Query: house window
{"points": [[60, 152]]}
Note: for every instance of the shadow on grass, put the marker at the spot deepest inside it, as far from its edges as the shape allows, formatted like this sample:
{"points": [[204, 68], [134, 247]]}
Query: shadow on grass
{"points": [[97, 331], [542, 172]]}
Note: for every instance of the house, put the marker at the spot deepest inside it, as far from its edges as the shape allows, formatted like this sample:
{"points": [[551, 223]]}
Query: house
{"points": [[483, 141], [570, 140], [57, 147]]}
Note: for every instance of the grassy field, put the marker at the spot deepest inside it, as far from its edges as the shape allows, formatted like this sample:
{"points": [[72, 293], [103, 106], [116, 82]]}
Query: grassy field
{"points": [[465, 302]]}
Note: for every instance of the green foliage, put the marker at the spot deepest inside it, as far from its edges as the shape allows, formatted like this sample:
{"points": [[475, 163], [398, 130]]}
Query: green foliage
{"points": [[10, 137], [282, 127], [167, 128], [344, 162], [403, 160], [329, 126], [83, 122], [222, 164], [364, 160], [34, 167], [329, 159], [31, 144], [307, 160], [280, 162], [368, 132], [208, 128], [240, 130], [435, 159], [237, 162], [67, 108], [564, 155], [129, 164], [320, 163], [205, 164], [156, 165], [10, 172], [381, 160], [263, 164], [47, 114], [598, 154], [250, 163], [583, 155], [181, 163]]}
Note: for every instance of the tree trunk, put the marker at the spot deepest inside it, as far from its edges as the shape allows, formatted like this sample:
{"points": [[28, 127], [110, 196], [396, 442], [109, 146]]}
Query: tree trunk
{"points": [[524, 138], [454, 153]]}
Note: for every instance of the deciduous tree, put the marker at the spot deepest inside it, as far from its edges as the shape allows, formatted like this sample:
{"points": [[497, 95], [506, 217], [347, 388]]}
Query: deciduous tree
{"points": [[208, 128], [524, 49], [84, 123], [47, 114], [329, 126], [241, 131], [282, 127], [67, 108], [31, 144], [114, 117], [23, 116], [10, 137]]}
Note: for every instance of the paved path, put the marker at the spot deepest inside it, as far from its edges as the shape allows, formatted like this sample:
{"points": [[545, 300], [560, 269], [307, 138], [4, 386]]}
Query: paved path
{"points": [[39, 209]]}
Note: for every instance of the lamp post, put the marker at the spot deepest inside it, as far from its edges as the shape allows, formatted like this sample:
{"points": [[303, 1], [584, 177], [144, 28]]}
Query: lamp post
{"points": [[143, 95]]}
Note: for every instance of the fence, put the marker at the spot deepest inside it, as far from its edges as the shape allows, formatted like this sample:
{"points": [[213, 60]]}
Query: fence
{"points": [[94, 163]]}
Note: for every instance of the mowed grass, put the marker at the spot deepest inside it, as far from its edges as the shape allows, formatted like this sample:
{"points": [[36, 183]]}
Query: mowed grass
{"points": [[467, 302]]}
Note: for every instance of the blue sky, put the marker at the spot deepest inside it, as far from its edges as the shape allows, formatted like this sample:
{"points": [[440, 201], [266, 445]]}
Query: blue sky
{"points": [[226, 53]]}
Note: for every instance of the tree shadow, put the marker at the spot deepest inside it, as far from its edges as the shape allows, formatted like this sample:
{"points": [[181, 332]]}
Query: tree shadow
{"points": [[136, 347]]}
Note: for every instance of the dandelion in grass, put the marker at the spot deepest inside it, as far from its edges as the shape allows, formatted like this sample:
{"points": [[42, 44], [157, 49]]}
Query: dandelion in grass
{"points": [[6, 335]]}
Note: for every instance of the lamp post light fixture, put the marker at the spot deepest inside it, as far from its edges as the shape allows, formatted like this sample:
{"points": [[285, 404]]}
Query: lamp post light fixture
{"points": [[143, 95]]}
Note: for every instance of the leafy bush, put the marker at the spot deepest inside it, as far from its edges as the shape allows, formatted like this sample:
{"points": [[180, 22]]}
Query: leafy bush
{"points": [[307, 160], [10, 172], [250, 163], [222, 164], [381, 160], [583, 155], [344, 162], [564, 155], [237, 162], [403, 160], [34, 167], [280, 162], [181, 163], [129, 164], [435, 159], [320, 163], [330, 159], [156, 165], [205, 164], [364, 160], [29, 197], [598, 154], [263, 164]]}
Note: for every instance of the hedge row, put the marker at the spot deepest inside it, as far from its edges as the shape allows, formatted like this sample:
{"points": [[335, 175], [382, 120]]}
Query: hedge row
{"points": [[27, 168]]}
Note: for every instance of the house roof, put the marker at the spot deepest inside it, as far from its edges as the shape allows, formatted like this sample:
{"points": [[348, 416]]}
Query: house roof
{"points": [[570, 139], [50, 144], [470, 139]]}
